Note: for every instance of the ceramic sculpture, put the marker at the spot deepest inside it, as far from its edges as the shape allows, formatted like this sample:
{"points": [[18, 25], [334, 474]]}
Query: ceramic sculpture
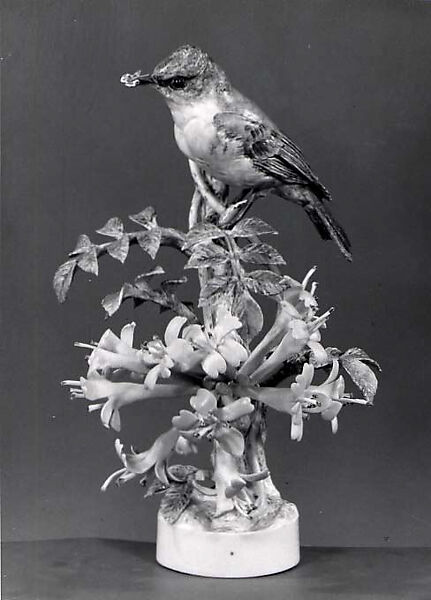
{"points": [[227, 520]]}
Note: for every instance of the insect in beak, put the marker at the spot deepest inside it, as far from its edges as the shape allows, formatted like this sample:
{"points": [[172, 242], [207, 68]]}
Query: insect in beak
{"points": [[135, 79]]}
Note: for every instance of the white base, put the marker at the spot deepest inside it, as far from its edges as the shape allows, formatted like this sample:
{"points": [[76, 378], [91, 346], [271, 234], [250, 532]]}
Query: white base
{"points": [[185, 548]]}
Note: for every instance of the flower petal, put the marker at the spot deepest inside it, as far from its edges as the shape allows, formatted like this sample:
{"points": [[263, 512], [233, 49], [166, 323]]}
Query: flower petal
{"points": [[232, 351], [296, 429], [111, 478], [159, 451], [231, 440], [320, 355], [225, 324], [185, 420], [154, 374], [110, 416], [332, 411], [181, 352], [173, 329], [214, 364], [334, 425], [195, 334], [204, 402], [235, 410], [127, 333]]}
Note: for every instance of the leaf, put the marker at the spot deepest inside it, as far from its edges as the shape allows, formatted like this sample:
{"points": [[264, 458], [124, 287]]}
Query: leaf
{"points": [[87, 261], [265, 282], [261, 254], [63, 278], [112, 302], [82, 244], [207, 255], [119, 249], [249, 313], [362, 355], [146, 218], [175, 501], [230, 440], [212, 286], [252, 226], [202, 233], [112, 228], [155, 487], [181, 472], [362, 376], [149, 241]]}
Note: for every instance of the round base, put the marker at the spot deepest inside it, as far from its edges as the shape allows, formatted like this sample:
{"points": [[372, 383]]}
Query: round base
{"points": [[185, 548]]}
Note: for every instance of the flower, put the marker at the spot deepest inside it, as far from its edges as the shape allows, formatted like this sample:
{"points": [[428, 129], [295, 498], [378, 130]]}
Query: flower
{"points": [[304, 398], [118, 394], [219, 344], [113, 352], [295, 328], [143, 462], [299, 335], [175, 352]]}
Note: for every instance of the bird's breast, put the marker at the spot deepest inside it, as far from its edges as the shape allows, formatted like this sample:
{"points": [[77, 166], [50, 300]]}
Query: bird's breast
{"points": [[197, 138]]}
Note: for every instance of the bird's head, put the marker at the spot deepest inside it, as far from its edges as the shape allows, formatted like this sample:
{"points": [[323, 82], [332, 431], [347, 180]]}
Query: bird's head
{"points": [[183, 76]]}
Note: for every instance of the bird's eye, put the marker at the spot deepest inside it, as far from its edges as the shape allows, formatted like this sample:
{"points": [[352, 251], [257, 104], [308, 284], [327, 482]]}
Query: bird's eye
{"points": [[177, 83]]}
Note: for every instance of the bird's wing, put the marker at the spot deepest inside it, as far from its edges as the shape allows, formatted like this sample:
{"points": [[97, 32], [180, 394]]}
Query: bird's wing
{"points": [[271, 152]]}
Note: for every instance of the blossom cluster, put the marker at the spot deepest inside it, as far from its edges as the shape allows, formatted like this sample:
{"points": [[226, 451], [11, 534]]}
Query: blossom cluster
{"points": [[223, 382]]}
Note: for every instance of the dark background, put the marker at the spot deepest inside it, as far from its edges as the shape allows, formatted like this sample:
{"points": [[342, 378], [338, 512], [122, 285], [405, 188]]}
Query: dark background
{"points": [[349, 81]]}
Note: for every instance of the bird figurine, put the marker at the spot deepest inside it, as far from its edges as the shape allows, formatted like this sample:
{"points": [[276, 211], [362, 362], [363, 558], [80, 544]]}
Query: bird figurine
{"points": [[227, 136]]}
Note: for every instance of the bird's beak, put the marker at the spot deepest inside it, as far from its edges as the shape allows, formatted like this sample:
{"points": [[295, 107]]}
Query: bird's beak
{"points": [[135, 79]]}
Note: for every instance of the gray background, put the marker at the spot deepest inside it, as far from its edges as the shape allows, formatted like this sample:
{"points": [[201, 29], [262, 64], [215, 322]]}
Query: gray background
{"points": [[349, 81]]}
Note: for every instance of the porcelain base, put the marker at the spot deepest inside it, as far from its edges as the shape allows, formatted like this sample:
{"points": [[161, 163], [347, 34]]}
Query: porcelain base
{"points": [[185, 548]]}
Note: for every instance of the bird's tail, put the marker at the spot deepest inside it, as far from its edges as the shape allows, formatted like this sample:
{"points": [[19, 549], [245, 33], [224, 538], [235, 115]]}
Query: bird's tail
{"points": [[315, 204]]}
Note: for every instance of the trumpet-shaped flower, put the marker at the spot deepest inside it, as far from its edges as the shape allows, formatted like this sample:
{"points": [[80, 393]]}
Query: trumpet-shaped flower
{"points": [[299, 335], [219, 345], [143, 462], [304, 398], [113, 352], [175, 352], [119, 394], [295, 328]]}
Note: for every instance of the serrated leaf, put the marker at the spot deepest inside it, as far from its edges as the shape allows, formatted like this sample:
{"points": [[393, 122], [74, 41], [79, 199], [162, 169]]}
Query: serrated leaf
{"points": [[119, 249], [261, 254], [149, 241], [87, 261], [362, 355], [82, 244], [231, 440], [361, 375], [112, 228], [63, 279], [175, 501], [265, 282], [249, 313], [252, 226], [207, 255], [146, 218], [202, 233]]}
